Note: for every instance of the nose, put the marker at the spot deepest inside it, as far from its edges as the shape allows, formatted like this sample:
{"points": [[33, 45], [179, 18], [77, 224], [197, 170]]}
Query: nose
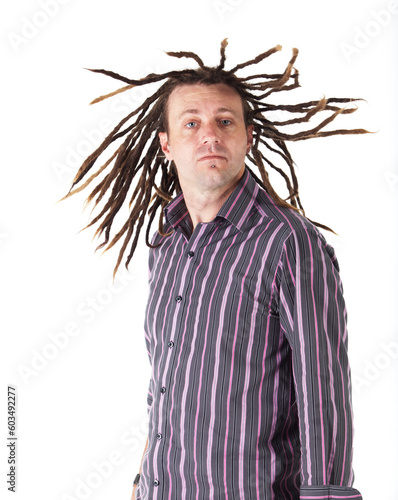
{"points": [[210, 134]]}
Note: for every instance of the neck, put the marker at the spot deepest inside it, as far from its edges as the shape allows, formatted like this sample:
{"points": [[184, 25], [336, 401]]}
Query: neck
{"points": [[204, 205]]}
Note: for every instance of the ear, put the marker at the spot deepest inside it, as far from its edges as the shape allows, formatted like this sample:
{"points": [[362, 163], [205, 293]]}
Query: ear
{"points": [[250, 129], [164, 144]]}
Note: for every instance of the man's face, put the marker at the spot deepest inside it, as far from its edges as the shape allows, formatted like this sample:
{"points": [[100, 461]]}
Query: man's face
{"points": [[207, 137]]}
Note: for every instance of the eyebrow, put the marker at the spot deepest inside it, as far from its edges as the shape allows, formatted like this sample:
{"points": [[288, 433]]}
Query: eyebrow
{"points": [[195, 111]]}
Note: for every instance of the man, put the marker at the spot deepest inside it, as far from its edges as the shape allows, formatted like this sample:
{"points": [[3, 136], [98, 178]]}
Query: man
{"points": [[245, 325]]}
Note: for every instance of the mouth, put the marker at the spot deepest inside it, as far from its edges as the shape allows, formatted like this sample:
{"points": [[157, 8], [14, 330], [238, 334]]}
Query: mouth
{"points": [[212, 157]]}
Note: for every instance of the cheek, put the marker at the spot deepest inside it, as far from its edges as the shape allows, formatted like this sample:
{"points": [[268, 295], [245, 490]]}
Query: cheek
{"points": [[183, 145], [238, 145], [180, 153]]}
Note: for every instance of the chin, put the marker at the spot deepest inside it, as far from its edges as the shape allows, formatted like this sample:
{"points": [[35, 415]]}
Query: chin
{"points": [[218, 177]]}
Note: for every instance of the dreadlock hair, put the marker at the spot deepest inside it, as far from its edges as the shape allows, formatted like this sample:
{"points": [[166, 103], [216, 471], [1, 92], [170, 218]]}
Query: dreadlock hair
{"points": [[139, 157]]}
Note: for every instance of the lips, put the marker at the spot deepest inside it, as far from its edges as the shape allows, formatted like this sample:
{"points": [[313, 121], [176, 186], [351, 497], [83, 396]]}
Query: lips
{"points": [[212, 157]]}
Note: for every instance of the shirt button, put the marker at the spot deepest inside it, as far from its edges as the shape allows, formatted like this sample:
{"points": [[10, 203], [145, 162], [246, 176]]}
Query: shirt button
{"points": [[191, 254], [170, 344], [156, 482], [163, 390], [178, 298], [159, 436]]}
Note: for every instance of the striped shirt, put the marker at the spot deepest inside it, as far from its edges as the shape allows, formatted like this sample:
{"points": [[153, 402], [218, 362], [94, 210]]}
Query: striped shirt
{"points": [[250, 393]]}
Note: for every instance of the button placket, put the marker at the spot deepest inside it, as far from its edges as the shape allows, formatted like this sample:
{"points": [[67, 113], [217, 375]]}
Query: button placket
{"points": [[182, 283]]}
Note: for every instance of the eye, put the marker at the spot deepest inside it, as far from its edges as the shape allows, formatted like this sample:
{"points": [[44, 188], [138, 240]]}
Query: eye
{"points": [[226, 122], [191, 124]]}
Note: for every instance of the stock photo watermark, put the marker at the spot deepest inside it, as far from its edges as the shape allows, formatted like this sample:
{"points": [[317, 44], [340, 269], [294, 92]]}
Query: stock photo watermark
{"points": [[375, 367], [75, 154], [59, 340], [12, 438], [392, 180], [3, 237], [130, 441], [31, 26], [225, 7], [363, 35]]}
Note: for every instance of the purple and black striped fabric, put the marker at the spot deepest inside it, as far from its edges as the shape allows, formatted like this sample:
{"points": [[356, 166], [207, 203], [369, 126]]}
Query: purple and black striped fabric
{"points": [[250, 394]]}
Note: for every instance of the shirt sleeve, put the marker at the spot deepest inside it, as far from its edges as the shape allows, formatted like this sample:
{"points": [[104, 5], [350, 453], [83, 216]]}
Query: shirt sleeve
{"points": [[313, 317], [147, 337], [149, 396]]}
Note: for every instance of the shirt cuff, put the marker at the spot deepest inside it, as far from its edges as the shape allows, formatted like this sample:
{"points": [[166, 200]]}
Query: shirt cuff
{"points": [[329, 492]]}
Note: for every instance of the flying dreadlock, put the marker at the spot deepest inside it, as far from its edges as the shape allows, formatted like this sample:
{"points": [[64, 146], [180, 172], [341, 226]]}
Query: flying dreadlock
{"points": [[140, 156]]}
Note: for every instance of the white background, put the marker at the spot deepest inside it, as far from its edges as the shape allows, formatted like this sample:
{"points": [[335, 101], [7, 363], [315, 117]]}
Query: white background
{"points": [[82, 405]]}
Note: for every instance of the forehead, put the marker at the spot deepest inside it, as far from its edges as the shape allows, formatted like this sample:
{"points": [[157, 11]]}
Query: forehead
{"points": [[203, 97]]}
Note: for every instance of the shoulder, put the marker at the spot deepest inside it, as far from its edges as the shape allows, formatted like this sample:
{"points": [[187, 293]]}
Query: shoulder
{"points": [[301, 236]]}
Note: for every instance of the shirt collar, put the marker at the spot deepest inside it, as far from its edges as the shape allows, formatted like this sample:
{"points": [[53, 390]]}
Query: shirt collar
{"points": [[235, 210]]}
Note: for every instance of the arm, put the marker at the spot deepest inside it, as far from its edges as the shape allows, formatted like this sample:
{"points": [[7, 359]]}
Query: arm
{"points": [[149, 404], [142, 459], [313, 316]]}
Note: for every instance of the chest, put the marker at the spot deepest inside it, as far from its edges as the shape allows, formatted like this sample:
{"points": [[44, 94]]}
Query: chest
{"points": [[220, 276]]}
